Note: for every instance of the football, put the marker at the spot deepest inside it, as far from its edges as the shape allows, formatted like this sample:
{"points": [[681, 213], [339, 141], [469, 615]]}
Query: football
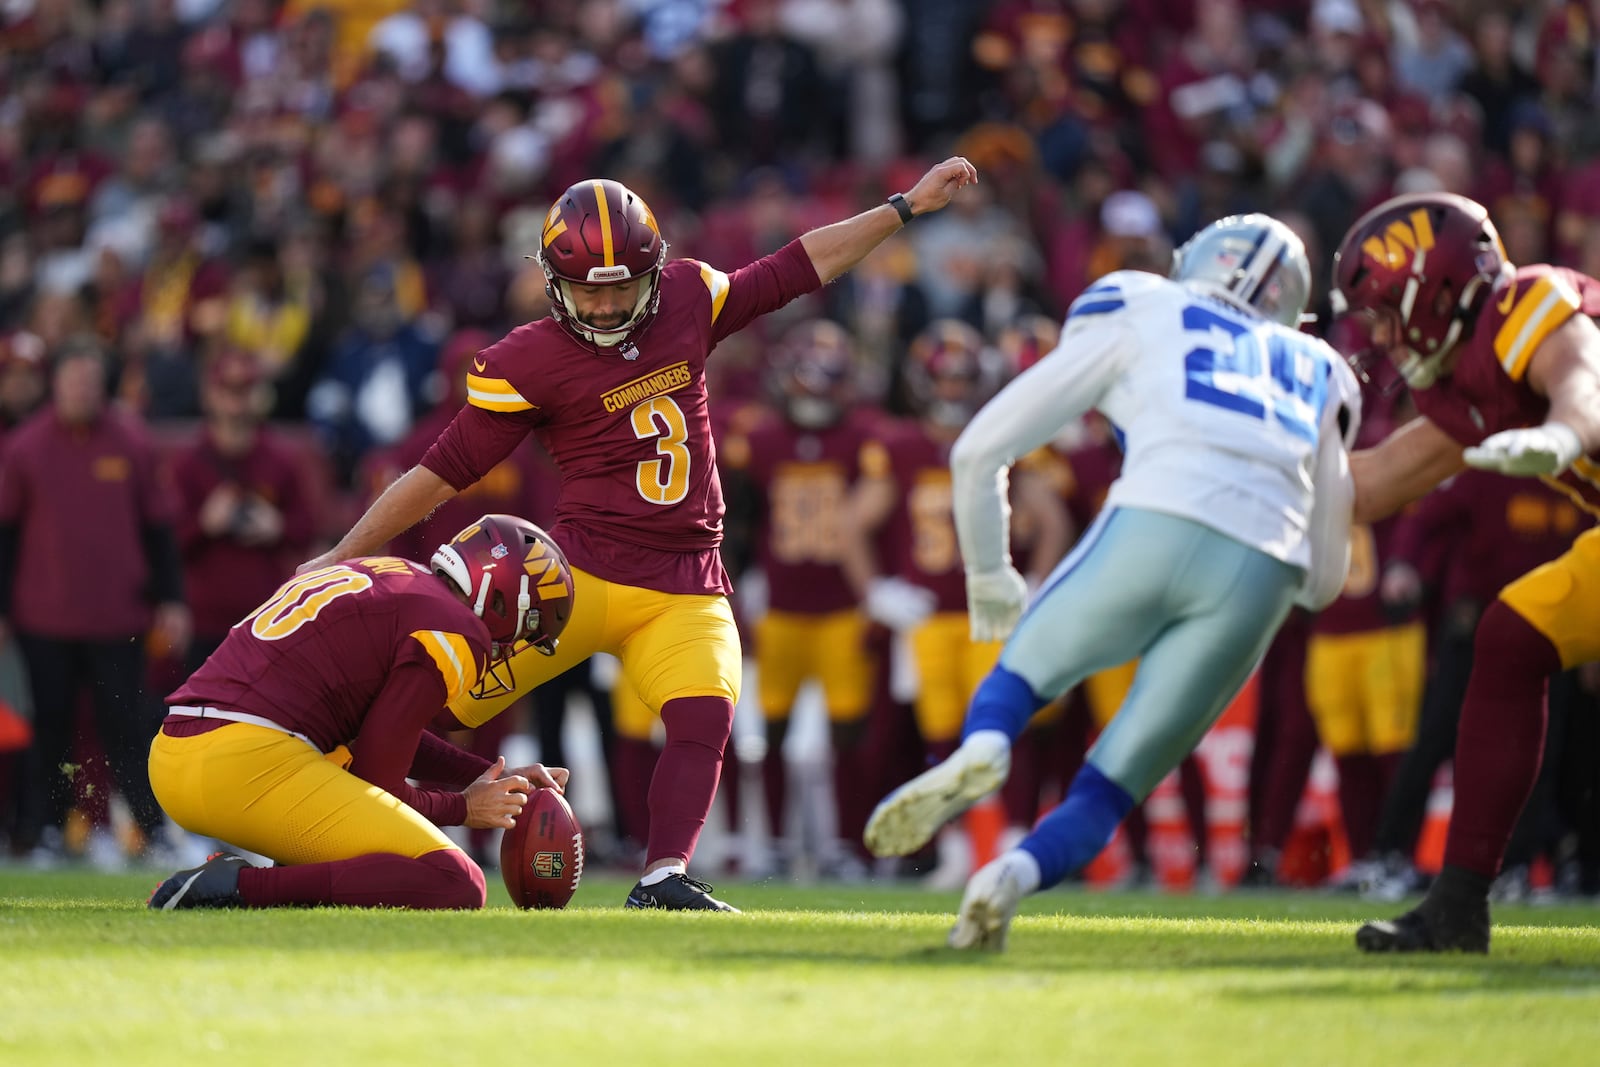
{"points": [[541, 857]]}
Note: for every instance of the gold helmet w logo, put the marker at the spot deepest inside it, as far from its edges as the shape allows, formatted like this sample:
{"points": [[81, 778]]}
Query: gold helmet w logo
{"points": [[545, 570], [1403, 238]]}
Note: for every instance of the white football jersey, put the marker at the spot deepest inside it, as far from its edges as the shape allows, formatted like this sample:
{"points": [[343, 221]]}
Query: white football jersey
{"points": [[1219, 411]]}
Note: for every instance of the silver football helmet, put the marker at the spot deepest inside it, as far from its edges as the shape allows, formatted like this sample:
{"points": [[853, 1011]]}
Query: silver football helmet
{"points": [[1253, 260]]}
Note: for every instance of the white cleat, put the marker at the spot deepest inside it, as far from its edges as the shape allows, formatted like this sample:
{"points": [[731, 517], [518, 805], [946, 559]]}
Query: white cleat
{"points": [[909, 817], [988, 907]]}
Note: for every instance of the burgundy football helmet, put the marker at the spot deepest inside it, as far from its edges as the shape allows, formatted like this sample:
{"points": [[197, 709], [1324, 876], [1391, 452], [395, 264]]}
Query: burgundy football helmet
{"points": [[1424, 264], [599, 232], [946, 373], [814, 371], [516, 580]]}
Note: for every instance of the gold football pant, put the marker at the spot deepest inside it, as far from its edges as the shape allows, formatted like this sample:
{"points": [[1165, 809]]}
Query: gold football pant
{"points": [[265, 791], [671, 645]]}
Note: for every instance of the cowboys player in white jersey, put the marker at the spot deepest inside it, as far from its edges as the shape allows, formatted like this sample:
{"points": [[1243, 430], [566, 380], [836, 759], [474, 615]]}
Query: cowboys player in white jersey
{"points": [[1234, 504]]}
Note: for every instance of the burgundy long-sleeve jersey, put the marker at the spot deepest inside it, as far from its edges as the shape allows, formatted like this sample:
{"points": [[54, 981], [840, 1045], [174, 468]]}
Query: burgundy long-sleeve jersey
{"points": [[640, 503]]}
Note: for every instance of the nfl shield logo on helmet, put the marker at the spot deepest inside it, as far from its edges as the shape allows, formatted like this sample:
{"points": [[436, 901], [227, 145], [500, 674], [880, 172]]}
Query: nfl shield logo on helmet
{"points": [[499, 551], [547, 864]]}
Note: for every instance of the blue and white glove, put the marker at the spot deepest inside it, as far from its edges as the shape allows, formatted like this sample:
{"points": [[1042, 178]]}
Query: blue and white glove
{"points": [[995, 599], [1546, 449], [898, 604]]}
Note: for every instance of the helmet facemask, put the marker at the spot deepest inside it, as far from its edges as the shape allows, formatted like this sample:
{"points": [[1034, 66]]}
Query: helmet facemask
{"points": [[564, 305]]}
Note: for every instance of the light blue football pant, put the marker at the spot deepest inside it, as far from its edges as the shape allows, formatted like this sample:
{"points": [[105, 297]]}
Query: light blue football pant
{"points": [[1197, 608]]}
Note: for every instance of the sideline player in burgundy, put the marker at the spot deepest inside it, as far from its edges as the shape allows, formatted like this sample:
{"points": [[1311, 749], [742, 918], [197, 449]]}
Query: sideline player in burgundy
{"points": [[295, 739], [1503, 362], [613, 385]]}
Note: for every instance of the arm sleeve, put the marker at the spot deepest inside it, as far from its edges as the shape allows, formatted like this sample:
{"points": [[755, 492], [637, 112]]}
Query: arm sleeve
{"points": [[757, 288], [1025, 415], [439, 762], [474, 442], [391, 734]]}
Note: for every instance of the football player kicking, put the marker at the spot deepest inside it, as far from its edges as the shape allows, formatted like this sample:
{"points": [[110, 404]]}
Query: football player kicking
{"points": [[295, 739], [1232, 505], [613, 385], [1503, 362]]}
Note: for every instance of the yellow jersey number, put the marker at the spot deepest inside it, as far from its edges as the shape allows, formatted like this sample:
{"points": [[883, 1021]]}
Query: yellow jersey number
{"points": [[302, 598], [806, 515], [664, 480]]}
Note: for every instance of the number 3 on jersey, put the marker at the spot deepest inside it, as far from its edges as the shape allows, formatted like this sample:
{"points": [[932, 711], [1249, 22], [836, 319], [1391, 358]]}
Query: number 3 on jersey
{"points": [[1228, 373], [664, 480]]}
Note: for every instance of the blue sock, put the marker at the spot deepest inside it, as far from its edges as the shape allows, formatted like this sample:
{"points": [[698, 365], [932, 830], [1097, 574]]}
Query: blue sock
{"points": [[1076, 831], [1003, 702]]}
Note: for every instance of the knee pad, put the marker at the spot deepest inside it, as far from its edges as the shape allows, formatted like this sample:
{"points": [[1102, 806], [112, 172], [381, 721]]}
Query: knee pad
{"points": [[698, 721], [460, 878]]}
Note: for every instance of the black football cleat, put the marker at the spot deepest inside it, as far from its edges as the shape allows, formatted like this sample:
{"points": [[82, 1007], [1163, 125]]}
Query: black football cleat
{"points": [[676, 892], [1430, 927], [213, 884]]}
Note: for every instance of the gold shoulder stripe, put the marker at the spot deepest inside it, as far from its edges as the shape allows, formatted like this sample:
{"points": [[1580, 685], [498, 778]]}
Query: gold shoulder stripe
{"points": [[1538, 312], [453, 656], [495, 394], [718, 285]]}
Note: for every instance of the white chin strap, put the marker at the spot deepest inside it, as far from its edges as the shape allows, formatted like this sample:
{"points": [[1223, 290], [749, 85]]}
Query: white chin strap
{"points": [[604, 338]]}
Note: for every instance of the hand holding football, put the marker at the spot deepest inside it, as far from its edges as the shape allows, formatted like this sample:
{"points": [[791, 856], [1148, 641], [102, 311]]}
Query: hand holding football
{"points": [[541, 856]]}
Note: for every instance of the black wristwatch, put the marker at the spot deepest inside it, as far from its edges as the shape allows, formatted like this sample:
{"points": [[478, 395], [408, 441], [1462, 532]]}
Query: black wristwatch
{"points": [[903, 206]]}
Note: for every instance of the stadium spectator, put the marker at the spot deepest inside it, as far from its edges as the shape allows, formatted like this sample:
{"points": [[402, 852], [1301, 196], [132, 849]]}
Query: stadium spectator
{"points": [[374, 385], [244, 515], [78, 482]]}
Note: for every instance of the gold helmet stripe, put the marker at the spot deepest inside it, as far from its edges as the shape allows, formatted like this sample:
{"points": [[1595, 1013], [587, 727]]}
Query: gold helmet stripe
{"points": [[605, 222]]}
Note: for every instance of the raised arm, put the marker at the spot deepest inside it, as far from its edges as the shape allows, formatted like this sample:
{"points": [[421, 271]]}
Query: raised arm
{"points": [[836, 248]]}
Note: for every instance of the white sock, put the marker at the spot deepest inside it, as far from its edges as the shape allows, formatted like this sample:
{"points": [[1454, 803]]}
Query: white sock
{"points": [[988, 746], [1024, 867], [663, 873]]}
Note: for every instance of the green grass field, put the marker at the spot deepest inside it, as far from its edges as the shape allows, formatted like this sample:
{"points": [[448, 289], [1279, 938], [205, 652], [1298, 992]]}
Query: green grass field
{"points": [[808, 975]]}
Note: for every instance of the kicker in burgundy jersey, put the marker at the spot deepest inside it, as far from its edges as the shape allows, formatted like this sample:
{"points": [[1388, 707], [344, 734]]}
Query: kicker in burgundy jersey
{"points": [[640, 503], [1488, 391], [316, 655], [805, 478]]}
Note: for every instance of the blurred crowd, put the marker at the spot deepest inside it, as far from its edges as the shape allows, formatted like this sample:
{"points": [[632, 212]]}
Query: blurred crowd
{"points": [[270, 234]]}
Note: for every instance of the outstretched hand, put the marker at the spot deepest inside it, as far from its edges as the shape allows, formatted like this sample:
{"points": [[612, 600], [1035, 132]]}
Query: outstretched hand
{"points": [[939, 186], [493, 802]]}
